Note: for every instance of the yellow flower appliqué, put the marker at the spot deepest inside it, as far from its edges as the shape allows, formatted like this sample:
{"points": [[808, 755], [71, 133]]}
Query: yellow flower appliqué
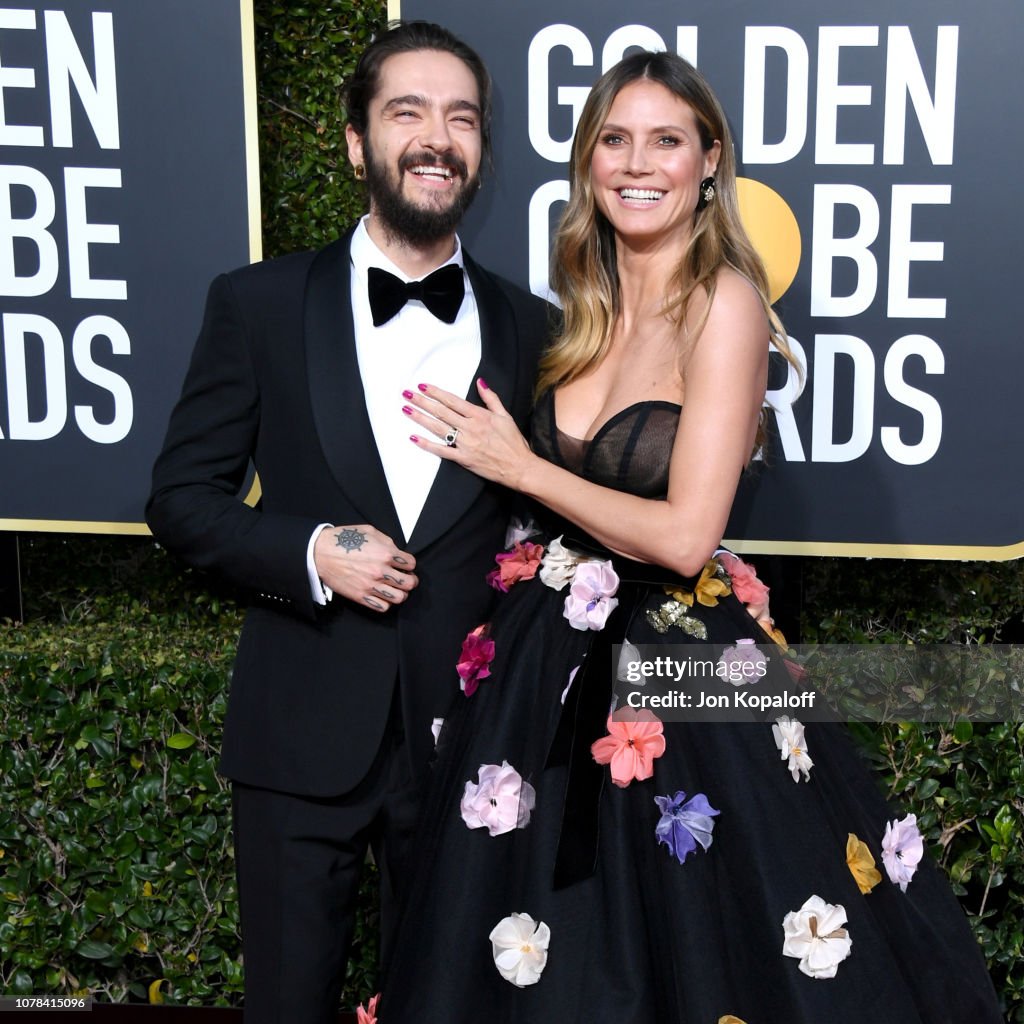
{"points": [[861, 864], [710, 587], [776, 634]]}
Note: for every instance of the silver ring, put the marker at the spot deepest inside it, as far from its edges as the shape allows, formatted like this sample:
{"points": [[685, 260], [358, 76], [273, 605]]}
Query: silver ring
{"points": [[451, 437]]}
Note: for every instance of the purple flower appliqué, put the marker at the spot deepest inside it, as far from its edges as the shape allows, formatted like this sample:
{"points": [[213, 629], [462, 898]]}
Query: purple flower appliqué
{"points": [[684, 823], [591, 599]]}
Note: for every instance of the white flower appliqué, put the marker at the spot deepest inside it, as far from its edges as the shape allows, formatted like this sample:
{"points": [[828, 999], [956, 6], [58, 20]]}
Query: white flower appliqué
{"points": [[519, 530], [520, 949], [816, 937], [558, 566], [789, 738]]}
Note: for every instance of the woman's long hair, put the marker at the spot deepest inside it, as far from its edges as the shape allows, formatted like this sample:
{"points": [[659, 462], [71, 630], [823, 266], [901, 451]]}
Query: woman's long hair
{"points": [[584, 267]]}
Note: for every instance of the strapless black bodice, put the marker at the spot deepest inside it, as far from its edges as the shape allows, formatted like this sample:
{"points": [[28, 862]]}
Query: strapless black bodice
{"points": [[629, 452]]}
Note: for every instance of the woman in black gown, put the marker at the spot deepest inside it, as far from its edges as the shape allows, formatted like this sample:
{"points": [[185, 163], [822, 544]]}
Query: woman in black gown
{"points": [[571, 867]]}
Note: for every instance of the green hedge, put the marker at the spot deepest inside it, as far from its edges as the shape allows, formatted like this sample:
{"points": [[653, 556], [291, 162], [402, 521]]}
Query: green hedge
{"points": [[305, 52], [116, 869], [116, 848], [115, 861], [966, 784]]}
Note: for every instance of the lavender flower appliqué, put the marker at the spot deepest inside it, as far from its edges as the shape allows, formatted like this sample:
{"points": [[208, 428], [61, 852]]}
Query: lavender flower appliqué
{"points": [[902, 850], [684, 823], [591, 599]]}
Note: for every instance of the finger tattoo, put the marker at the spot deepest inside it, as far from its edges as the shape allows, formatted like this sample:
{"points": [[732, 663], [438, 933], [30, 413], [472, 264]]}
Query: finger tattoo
{"points": [[386, 594], [373, 603], [392, 579]]}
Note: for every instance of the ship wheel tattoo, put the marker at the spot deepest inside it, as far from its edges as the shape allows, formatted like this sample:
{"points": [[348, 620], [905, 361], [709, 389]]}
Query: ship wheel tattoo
{"points": [[350, 539]]}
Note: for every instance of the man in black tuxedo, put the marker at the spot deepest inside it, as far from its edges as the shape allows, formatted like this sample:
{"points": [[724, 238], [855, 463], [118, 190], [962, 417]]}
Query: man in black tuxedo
{"points": [[367, 554]]}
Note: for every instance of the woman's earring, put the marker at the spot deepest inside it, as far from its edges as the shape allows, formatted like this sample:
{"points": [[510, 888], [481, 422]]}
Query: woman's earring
{"points": [[359, 171], [707, 192]]}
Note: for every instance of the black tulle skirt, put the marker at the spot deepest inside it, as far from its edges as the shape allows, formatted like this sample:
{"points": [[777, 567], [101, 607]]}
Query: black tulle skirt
{"points": [[637, 935]]}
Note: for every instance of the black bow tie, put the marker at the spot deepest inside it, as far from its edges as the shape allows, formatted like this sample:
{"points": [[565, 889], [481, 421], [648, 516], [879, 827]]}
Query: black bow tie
{"points": [[441, 292]]}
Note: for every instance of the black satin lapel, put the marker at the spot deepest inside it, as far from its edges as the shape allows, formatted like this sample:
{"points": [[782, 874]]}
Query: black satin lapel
{"points": [[336, 392], [455, 489], [499, 351]]}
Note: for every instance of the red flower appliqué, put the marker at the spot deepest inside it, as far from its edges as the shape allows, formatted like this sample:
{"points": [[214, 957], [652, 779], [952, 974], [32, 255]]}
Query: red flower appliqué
{"points": [[521, 563], [475, 659]]}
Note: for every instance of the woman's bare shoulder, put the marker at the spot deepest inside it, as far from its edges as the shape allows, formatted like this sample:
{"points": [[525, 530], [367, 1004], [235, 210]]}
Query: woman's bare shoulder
{"points": [[736, 295], [736, 319]]}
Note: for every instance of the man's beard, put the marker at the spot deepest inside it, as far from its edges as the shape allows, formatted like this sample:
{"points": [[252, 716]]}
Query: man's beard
{"points": [[406, 221]]}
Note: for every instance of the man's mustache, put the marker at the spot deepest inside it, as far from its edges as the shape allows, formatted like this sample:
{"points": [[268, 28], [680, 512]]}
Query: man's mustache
{"points": [[447, 159]]}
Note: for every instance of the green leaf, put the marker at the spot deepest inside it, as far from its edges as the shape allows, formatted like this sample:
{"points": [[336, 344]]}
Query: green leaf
{"points": [[93, 950], [1005, 823], [181, 741], [963, 731]]}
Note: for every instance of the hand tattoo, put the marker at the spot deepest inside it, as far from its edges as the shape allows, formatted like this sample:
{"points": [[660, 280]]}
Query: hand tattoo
{"points": [[350, 539]]}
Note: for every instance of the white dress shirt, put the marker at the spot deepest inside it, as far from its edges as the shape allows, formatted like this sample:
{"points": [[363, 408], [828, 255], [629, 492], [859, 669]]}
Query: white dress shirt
{"points": [[413, 347]]}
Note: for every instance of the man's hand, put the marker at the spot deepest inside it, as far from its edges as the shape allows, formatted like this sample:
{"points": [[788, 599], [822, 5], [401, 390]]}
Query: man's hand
{"points": [[362, 564]]}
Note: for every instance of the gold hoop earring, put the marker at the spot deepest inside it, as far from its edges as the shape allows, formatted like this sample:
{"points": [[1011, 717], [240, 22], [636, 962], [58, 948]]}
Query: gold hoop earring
{"points": [[359, 171]]}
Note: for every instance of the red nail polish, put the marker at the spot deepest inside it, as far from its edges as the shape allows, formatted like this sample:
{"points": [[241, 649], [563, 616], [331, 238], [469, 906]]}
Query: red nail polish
{"points": [[406, 410], [484, 384], [414, 439], [407, 394], [422, 387]]}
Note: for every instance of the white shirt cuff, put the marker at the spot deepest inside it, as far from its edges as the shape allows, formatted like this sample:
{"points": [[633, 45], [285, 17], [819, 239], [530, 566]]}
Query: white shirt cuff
{"points": [[320, 591]]}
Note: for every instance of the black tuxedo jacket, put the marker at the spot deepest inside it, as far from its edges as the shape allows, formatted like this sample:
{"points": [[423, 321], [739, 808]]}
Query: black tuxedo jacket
{"points": [[274, 378]]}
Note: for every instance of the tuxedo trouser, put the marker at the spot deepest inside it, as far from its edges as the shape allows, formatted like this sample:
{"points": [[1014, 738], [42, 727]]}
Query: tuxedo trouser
{"points": [[298, 860]]}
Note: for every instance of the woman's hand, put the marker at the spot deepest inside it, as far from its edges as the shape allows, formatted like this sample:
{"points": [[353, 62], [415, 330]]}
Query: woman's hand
{"points": [[486, 441]]}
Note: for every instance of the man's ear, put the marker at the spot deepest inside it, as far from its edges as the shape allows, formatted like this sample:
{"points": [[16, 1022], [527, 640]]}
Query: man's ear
{"points": [[355, 146]]}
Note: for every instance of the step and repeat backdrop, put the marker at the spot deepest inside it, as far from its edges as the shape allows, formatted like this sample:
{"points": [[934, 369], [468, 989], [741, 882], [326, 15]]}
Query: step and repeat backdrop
{"points": [[128, 179], [880, 155], [879, 158]]}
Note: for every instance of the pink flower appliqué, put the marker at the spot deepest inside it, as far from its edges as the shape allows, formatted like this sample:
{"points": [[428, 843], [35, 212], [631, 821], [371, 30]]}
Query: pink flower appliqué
{"points": [[591, 599], [902, 850], [521, 563], [745, 585], [634, 740], [368, 1015], [475, 659], [499, 801]]}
